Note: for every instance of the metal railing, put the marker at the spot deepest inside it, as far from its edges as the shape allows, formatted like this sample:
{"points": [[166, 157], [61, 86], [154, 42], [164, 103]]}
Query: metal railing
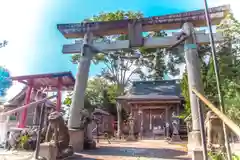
{"points": [[33, 104], [234, 127], [19, 109]]}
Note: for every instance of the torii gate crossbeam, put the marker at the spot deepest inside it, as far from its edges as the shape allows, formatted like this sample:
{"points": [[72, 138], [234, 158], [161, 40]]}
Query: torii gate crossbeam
{"points": [[134, 29]]}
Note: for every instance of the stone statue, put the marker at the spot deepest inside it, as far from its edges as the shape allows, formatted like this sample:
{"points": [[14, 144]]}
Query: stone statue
{"points": [[131, 136], [175, 127], [175, 123], [85, 118], [213, 126], [57, 133], [86, 125]]}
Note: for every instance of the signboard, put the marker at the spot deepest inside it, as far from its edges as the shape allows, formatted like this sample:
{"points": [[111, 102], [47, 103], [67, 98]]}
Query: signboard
{"points": [[166, 22]]}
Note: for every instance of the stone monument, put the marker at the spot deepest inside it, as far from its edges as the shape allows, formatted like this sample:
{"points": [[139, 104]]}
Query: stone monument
{"points": [[131, 136], [215, 136], [87, 119], [57, 139], [175, 125]]}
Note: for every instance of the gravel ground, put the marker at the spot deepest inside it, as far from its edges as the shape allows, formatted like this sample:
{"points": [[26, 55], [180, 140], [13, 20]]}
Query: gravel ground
{"points": [[143, 150], [118, 150]]}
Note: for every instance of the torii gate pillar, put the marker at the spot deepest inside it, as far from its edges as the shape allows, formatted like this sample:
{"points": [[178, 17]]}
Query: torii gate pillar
{"points": [[194, 80], [74, 122]]}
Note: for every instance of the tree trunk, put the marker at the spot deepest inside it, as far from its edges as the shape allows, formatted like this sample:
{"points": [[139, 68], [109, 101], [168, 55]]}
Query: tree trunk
{"points": [[119, 118], [119, 111]]}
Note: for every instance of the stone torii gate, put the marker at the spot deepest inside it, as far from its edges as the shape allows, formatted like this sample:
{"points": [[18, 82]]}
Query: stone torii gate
{"points": [[134, 28]]}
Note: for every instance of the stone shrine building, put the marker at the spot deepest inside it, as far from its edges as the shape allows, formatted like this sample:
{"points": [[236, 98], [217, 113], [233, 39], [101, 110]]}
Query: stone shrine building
{"points": [[153, 104]]}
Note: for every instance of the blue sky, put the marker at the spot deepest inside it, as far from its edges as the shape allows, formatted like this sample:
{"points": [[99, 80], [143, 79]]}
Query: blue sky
{"points": [[35, 43]]}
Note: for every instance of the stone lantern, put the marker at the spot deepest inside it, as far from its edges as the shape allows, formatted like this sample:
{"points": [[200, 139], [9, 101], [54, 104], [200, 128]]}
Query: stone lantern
{"points": [[131, 136]]}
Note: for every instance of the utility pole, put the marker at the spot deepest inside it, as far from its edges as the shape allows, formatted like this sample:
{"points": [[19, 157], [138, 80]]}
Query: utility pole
{"points": [[221, 101]]}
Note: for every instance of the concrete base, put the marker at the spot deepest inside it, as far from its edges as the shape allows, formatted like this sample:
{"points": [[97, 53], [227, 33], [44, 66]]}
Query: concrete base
{"points": [[175, 138], [194, 141], [76, 139], [48, 151], [197, 154]]}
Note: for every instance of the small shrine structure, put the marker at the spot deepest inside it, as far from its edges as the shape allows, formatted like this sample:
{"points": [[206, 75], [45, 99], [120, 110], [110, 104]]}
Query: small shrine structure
{"points": [[152, 104], [52, 82]]}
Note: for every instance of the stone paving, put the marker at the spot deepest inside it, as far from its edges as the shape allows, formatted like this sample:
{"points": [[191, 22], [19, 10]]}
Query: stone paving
{"points": [[119, 150], [142, 150], [15, 155]]}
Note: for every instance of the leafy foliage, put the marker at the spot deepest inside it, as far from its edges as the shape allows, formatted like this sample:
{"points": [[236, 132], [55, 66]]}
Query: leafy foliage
{"points": [[222, 156], [122, 65], [229, 66], [5, 80], [118, 65], [3, 44], [68, 101]]}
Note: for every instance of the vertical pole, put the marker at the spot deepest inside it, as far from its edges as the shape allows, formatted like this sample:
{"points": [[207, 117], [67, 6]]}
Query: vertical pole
{"points": [[194, 80], [167, 121], [177, 114], [221, 101], [97, 132], [202, 130], [119, 120], [150, 119], [81, 83], [59, 95], [140, 112], [42, 115], [24, 113]]}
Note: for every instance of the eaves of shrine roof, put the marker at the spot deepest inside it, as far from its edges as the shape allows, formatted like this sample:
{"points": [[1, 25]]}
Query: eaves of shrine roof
{"points": [[150, 97], [154, 90]]}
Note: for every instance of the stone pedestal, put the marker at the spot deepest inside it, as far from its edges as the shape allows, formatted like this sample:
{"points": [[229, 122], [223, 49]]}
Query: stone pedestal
{"points": [[76, 139], [197, 154], [194, 141], [175, 138], [48, 151], [89, 143]]}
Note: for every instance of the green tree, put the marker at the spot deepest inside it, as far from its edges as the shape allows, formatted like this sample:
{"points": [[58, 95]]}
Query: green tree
{"points": [[229, 66], [121, 65], [3, 44], [95, 88], [99, 93], [158, 62], [68, 101], [5, 80]]}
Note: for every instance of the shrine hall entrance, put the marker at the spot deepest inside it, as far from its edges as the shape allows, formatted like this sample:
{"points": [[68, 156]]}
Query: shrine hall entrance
{"points": [[153, 105], [153, 119]]}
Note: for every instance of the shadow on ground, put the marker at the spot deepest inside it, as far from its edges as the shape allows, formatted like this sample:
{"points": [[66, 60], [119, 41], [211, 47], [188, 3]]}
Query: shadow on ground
{"points": [[136, 152]]}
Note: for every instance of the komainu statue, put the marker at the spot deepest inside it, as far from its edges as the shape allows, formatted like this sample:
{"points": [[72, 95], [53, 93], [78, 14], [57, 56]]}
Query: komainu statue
{"points": [[214, 130], [86, 125], [57, 133], [85, 118]]}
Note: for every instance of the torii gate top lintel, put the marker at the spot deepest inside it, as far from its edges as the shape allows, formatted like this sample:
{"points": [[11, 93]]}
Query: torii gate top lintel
{"points": [[156, 23]]}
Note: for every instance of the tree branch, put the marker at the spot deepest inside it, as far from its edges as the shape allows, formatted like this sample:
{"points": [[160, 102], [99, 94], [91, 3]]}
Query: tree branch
{"points": [[133, 72]]}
